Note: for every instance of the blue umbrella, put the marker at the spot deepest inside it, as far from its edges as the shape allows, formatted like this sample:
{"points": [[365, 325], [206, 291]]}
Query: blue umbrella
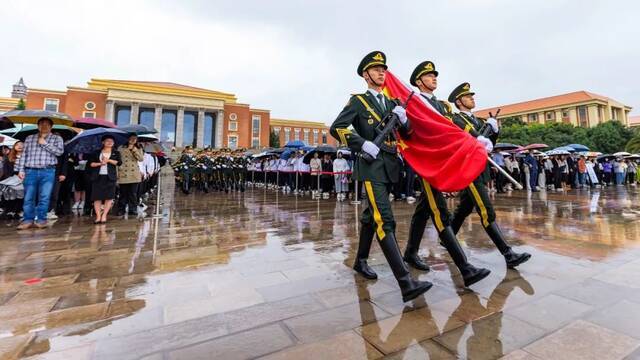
{"points": [[90, 141], [287, 154], [578, 147], [137, 129], [566, 148], [295, 144]]}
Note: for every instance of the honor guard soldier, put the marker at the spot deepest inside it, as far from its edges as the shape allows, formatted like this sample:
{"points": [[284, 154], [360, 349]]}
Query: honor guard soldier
{"points": [[366, 113], [185, 168], [432, 202], [475, 195]]}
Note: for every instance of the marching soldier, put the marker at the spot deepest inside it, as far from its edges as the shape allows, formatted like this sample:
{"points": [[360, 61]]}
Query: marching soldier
{"points": [[185, 168], [475, 195], [366, 112], [432, 202]]}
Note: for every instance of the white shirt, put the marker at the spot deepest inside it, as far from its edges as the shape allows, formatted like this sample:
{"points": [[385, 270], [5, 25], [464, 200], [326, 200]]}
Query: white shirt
{"points": [[340, 165], [103, 168], [375, 94]]}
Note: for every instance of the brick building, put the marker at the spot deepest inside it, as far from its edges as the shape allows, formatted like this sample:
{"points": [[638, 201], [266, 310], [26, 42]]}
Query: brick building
{"points": [[310, 132]]}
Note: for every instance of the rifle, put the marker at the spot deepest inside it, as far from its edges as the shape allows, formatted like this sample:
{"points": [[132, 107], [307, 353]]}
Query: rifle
{"points": [[391, 121]]}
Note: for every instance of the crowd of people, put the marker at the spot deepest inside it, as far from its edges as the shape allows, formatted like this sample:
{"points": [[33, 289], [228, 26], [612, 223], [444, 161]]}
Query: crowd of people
{"points": [[41, 181]]}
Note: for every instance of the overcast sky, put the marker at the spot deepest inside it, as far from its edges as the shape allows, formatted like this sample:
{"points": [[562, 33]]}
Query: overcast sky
{"points": [[298, 58]]}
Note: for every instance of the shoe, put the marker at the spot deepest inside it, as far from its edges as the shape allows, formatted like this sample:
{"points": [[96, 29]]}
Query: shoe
{"points": [[81, 205], [511, 257], [409, 287], [76, 205], [470, 273], [414, 260], [24, 226], [51, 215], [364, 245], [42, 225], [411, 200]]}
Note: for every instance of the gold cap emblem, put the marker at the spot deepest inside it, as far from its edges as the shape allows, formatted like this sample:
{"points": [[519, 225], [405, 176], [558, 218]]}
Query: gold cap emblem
{"points": [[429, 67], [466, 87], [378, 57]]}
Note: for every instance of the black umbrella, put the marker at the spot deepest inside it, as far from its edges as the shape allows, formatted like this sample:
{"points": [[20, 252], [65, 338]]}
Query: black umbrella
{"points": [[605, 157], [66, 132], [321, 150], [6, 124], [505, 146], [137, 129], [90, 141]]}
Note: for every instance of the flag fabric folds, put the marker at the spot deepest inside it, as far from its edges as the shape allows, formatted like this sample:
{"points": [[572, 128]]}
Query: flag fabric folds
{"points": [[448, 158]]}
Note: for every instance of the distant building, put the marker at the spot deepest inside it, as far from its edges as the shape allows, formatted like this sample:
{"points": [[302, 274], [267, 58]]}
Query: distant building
{"points": [[183, 115], [580, 108], [310, 132], [634, 121]]}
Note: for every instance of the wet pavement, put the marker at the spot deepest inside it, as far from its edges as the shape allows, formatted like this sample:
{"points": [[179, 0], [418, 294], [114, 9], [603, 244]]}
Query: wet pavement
{"points": [[261, 274]]}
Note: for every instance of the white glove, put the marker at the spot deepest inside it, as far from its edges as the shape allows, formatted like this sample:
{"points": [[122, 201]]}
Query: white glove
{"points": [[401, 112], [494, 124], [488, 145], [370, 148]]}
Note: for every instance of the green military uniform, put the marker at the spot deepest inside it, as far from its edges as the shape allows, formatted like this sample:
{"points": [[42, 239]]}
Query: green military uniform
{"points": [[364, 113], [185, 168], [432, 203], [476, 195]]}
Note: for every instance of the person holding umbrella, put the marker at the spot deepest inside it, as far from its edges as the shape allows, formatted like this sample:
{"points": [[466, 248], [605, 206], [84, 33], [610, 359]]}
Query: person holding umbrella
{"points": [[103, 176], [129, 175], [37, 169]]}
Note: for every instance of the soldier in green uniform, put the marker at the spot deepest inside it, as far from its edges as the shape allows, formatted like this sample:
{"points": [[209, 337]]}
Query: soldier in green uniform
{"points": [[185, 167], [366, 112], [432, 202], [475, 195]]}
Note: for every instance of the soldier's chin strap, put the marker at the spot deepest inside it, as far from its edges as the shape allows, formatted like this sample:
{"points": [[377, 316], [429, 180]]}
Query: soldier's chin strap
{"points": [[373, 81]]}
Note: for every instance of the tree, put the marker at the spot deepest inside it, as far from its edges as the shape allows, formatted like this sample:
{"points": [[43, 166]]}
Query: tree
{"points": [[274, 139], [510, 121], [21, 105], [633, 146], [610, 136]]}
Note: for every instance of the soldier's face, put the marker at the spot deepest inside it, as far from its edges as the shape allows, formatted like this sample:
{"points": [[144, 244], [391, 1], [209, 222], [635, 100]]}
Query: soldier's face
{"points": [[429, 81], [376, 74], [468, 101]]}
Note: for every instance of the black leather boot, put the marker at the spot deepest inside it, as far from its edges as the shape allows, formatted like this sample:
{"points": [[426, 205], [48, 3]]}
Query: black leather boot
{"points": [[413, 244], [470, 273], [364, 245], [512, 258], [409, 287]]}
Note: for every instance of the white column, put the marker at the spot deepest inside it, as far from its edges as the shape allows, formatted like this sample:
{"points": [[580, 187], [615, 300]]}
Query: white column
{"points": [[219, 128], [180, 126], [157, 120], [135, 110], [110, 108], [200, 129]]}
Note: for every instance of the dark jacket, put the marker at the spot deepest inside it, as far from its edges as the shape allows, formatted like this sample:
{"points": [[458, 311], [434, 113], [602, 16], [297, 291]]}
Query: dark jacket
{"points": [[112, 170]]}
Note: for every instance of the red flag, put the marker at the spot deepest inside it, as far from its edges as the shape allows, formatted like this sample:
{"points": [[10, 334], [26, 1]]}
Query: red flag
{"points": [[448, 158]]}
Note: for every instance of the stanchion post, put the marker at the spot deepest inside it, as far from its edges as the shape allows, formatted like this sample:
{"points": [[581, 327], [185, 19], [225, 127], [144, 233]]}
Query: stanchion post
{"points": [[157, 212], [357, 193], [297, 172]]}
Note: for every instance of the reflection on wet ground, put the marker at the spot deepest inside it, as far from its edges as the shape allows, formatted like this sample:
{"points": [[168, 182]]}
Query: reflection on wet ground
{"points": [[260, 274]]}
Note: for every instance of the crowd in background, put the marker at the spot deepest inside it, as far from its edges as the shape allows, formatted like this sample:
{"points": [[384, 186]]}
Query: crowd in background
{"points": [[40, 181]]}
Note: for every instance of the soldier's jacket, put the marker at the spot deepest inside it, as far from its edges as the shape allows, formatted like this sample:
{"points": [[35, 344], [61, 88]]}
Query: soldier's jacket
{"points": [[363, 112], [443, 107], [186, 164]]}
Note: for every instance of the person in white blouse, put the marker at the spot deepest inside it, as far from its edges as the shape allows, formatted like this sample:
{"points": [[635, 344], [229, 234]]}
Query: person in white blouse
{"points": [[341, 180]]}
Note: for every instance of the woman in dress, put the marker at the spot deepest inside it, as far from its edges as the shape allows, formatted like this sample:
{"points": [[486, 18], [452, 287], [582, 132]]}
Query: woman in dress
{"points": [[103, 176]]}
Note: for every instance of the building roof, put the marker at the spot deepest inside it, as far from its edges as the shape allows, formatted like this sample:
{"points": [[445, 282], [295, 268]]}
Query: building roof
{"points": [[8, 104], [575, 97], [298, 123], [160, 87], [634, 120]]}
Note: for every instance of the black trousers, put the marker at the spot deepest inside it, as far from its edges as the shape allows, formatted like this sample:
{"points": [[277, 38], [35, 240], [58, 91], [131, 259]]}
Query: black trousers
{"points": [[474, 196], [128, 196]]}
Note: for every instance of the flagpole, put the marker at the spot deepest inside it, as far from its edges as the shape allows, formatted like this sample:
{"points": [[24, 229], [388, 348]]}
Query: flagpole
{"points": [[506, 174]]}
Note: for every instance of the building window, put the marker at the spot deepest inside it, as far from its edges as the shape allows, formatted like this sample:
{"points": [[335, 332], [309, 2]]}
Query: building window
{"points": [[324, 137], [276, 130], [190, 128], [168, 127], [315, 136], [306, 136], [583, 116], [565, 116], [89, 114], [532, 118], [287, 135], [146, 117], [233, 142], [51, 104], [233, 126], [209, 130], [550, 116], [123, 115], [296, 134], [90, 105], [255, 131]]}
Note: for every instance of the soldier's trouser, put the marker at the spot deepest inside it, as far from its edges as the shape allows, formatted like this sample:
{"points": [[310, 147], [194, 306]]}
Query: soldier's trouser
{"points": [[431, 203], [378, 212], [475, 195]]}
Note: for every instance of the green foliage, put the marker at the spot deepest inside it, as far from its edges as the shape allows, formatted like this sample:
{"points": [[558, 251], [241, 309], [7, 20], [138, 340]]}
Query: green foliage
{"points": [[274, 139], [608, 137], [509, 121], [21, 105], [633, 146]]}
